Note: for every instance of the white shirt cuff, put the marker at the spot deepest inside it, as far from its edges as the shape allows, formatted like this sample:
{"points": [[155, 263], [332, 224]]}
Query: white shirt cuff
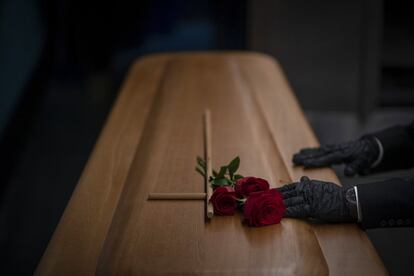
{"points": [[380, 155], [357, 203]]}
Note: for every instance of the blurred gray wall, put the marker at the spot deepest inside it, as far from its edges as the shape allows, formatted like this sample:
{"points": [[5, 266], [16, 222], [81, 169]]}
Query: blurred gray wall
{"points": [[328, 49]]}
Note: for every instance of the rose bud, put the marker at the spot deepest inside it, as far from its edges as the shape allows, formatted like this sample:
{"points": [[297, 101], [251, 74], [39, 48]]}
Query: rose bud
{"points": [[264, 208], [247, 185], [224, 201]]}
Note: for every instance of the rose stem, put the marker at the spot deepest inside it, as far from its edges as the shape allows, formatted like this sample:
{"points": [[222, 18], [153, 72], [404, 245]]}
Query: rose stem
{"points": [[177, 196], [209, 165]]}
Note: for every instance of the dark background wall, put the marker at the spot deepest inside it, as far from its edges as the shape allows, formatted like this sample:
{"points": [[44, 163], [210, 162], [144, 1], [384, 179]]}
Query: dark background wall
{"points": [[318, 43], [62, 62]]}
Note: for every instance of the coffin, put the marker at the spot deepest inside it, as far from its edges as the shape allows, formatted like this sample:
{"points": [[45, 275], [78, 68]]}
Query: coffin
{"points": [[150, 143]]}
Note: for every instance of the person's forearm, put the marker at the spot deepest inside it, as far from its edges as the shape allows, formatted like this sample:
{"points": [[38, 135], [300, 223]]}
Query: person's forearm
{"points": [[386, 204], [397, 145]]}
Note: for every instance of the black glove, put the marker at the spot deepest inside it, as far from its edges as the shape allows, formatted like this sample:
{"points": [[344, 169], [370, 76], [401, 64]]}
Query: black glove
{"points": [[358, 156], [317, 199]]}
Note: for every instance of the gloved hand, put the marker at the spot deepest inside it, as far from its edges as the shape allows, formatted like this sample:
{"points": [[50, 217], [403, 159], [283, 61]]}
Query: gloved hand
{"points": [[317, 199], [358, 156]]}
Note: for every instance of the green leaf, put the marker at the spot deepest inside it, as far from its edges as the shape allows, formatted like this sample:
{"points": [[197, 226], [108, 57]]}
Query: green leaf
{"points": [[201, 168], [222, 172], [215, 173], [238, 176], [201, 162], [234, 166], [220, 182], [200, 171]]}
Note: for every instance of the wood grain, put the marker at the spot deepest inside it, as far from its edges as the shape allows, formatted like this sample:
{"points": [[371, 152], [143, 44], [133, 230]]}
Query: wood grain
{"points": [[177, 196], [149, 145]]}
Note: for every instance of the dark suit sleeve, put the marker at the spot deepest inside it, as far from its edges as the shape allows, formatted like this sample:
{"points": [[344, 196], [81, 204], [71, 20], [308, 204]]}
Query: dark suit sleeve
{"points": [[387, 204], [398, 145]]}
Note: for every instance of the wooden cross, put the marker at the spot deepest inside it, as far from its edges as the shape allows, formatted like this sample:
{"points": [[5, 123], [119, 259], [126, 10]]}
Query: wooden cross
{"points": [[209, 170]]}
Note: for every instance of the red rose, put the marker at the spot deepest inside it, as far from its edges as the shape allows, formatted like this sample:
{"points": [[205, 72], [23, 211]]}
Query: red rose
{"points": [[264, 208], [224, 201], [247, 185]]}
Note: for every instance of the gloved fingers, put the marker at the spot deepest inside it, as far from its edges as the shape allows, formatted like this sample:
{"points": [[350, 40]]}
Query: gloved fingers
{"points": [[314, 152], [288, 190], [287, 187], [293, 201], [356, 166], [307, 153], [289, 194], [335, 157], [297, 211], [323, 191], [304, 184]]}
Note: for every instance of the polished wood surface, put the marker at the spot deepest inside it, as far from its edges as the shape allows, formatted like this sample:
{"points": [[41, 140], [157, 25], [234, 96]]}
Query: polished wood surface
{"points": [[149, 145], [177, 196]]}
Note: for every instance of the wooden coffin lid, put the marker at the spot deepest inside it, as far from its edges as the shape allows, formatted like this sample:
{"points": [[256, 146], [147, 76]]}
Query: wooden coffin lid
{"points": [[149, 144]]}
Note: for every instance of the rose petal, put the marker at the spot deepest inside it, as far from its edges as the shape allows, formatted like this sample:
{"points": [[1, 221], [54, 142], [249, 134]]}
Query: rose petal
{"points": [[264, 208]]}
